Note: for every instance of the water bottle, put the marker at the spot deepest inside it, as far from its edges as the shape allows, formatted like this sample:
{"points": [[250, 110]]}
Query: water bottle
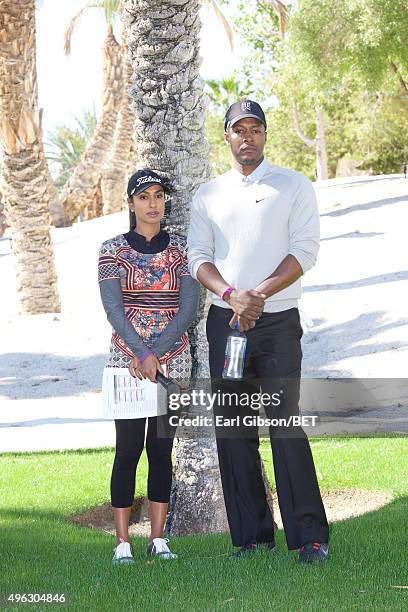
{"points": [[235, 354]]}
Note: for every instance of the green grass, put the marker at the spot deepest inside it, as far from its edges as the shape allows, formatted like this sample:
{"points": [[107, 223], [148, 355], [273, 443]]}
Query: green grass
{"points": [[43, 553]]}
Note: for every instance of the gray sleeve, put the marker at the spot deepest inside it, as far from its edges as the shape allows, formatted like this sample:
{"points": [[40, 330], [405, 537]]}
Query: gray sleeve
{"points": [[200, 239], [304, 229], [189, 299], [112, 300]]}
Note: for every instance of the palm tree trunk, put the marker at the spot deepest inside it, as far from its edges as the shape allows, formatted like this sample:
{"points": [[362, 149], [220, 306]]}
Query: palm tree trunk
{"points": [[59, 217], [24, 163], [81, 189], [116, 172], [96, 209], [170, 107], [2, 217]]}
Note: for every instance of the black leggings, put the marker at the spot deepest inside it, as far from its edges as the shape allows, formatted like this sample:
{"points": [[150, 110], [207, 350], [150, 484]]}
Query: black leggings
{"points": [[130, 437]]}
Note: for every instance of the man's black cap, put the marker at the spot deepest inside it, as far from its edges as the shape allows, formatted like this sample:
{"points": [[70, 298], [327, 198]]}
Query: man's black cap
{"points": [[142, 180], [241, 110]]}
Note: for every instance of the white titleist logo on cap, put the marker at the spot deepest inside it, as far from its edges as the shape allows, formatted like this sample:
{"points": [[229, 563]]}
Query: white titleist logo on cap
{"points": [[246, 106], [147, 179]]}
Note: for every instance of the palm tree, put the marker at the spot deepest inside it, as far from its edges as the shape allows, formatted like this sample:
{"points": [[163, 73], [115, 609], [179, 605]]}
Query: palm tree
{"points": [[122, 159], [80, 190], [224, 92], [2, 217], [25, 172], [65, 145], [3, 224], [59, 217], [169, 100]]}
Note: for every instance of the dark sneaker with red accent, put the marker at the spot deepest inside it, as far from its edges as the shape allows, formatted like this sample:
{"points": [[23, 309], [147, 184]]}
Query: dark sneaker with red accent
{"points": [[313, 551], [244, 551]]}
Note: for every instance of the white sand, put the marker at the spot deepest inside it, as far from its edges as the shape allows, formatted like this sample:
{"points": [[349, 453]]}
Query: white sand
{"points": [[355, 300]]}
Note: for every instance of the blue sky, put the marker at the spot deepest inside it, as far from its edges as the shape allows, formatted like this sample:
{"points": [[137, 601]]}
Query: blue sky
{"points": [[68, 85]]}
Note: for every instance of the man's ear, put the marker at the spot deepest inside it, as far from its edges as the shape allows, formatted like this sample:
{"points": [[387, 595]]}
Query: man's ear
{"points": [[227, 138], [266, 135]]}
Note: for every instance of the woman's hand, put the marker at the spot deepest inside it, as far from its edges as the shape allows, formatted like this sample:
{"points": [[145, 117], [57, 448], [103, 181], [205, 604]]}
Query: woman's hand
{"points": [[134, 368], [150, 367]]}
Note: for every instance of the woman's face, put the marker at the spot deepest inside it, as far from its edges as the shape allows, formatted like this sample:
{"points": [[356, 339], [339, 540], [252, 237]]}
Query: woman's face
{"points": [[148, 205]]}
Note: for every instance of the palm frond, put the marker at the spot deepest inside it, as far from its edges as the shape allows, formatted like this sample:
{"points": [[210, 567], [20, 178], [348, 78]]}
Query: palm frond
{"points": [[71, 27], [223, 20], [111, 9], [66, 144]]}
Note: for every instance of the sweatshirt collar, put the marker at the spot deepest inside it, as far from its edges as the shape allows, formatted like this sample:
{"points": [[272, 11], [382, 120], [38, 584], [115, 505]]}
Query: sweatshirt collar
{"points": [[255, 176], [158, 243]]}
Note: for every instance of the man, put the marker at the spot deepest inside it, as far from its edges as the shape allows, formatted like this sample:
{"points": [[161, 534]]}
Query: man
{"points": [[254, 231]]}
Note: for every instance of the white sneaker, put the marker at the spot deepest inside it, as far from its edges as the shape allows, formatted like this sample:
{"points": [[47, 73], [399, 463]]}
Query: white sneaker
{"points": [[123, 553], [158, 548]]}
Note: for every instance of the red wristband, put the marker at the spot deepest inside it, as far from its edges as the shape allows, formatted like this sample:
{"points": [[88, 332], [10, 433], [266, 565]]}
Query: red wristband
{"points": [[227, 293]]}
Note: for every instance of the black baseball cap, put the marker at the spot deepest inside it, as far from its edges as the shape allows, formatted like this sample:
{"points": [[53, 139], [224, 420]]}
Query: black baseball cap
{"points": [[142, 180], [241, 110]]}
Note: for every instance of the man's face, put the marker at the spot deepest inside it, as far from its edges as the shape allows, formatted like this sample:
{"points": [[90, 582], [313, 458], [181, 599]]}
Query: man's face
{"points": [[247, 139]]}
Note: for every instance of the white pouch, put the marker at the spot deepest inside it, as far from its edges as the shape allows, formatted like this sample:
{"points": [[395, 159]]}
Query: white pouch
{"points": [[125, 397]]}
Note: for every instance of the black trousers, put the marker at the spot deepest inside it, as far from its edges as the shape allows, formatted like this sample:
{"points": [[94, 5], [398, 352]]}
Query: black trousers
{"points": [[130, 438], [273, 360]]}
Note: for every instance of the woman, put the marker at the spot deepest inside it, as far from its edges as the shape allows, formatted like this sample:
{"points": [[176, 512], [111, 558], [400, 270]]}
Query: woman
{"points": [[150, 300]]}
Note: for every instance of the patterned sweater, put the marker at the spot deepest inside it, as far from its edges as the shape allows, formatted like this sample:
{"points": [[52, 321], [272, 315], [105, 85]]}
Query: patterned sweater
{"points": [[150, 286]]}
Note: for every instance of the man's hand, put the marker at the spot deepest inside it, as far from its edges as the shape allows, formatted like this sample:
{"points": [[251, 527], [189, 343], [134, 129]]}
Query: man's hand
{"points": [[243, 323], [247, 304], [150, 367]]}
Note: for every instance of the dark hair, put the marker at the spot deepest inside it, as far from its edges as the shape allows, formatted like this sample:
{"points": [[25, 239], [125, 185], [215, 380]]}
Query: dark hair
{"points": [[132, 220], [168, 190]]}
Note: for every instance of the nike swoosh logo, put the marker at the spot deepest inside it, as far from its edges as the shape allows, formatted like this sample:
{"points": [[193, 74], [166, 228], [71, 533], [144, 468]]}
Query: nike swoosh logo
{"points": [[261, 199]]}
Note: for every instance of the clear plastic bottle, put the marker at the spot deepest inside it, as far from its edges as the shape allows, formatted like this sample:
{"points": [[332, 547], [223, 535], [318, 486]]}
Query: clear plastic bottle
{"points": [[235, 354]]}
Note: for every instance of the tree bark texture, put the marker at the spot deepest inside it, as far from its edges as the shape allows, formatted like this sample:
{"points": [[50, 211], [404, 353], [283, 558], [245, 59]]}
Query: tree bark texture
{"points": [[2, 217], [59, 217], [25, 168], [96, 208], [168, 95], [118, 167], [169, 102]]}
